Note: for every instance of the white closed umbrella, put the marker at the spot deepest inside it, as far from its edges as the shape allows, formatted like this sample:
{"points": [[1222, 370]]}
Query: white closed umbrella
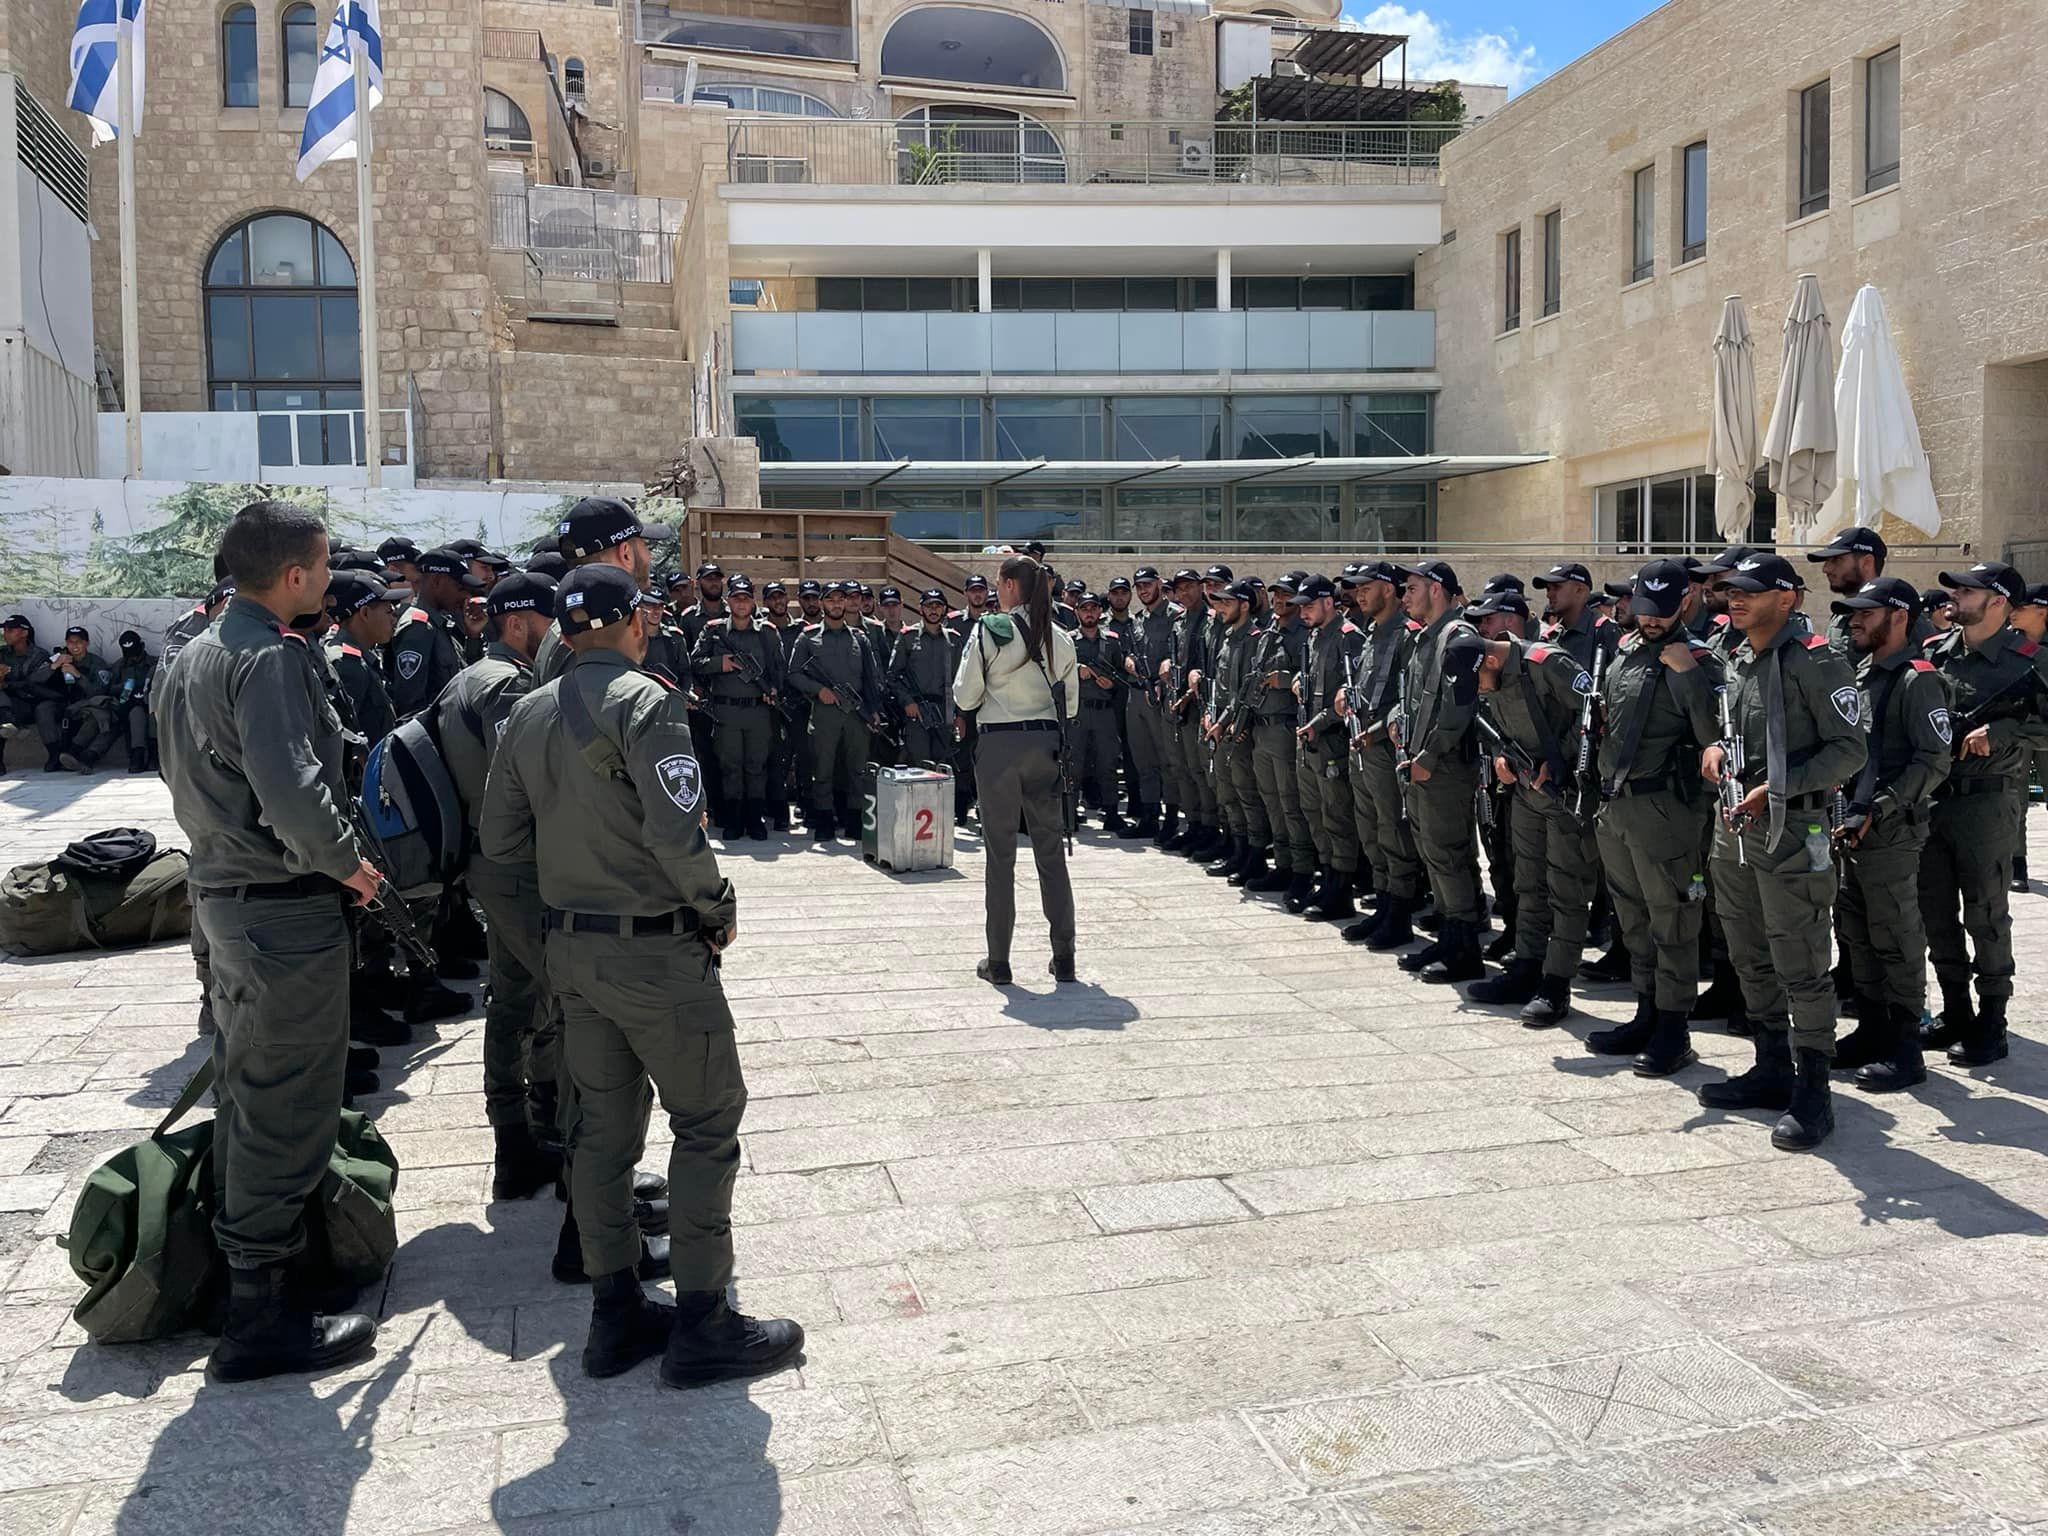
{"points": [[1799, 444], [1883, 468], [1731, 449]]}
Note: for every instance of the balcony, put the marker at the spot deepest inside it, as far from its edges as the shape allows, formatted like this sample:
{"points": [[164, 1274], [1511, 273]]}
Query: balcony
{"points": [[1085, 342], [1026, 151], [807, 29]]}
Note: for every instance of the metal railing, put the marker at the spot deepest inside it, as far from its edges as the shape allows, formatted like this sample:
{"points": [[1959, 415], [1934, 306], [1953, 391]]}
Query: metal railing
{"points": [[561, 224], [519, 43], [562, 280], [827, 152]]}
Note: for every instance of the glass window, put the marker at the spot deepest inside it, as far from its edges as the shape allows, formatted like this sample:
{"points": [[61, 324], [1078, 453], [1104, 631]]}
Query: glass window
{"points": [[1643, 261], [286, 331], [944, 427], [800, 429], [1553, 260], [1693, 225], [1325, 293], [1881, 121], [227, 330], [1385, 425], [505, 126], [974, 47], [1167, 427], [1099, 293], [1153, 293], [1168, 516], [1391, 517], [839, 293], [885, 295], [1007, 294], [1814, 124], [824, 498], [1285, 426], [1141, 32], [1618, 511], [574, 83], [340, 357], [929, 293], [1037, 427], [951, 515], [281, 251], [1290, 513], [1048, 293], [764, 98], [939, 145], [282, 335], [1668, 523], [336, 270], [238, 57], [1388, 291], [1272, 293], [1026, 514], [227, 264], [301, 53], [1511, 280]]}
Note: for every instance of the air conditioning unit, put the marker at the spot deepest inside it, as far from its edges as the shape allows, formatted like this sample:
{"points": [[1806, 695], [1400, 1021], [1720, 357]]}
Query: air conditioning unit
{"points": [[597, 165], [1195, 155]]}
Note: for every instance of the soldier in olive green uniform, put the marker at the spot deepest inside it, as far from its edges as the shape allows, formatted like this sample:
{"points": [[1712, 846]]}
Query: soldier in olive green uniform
{"points": [[1187, 664], [834, 667], [521, 1040], [1376, 791], [1656, 712], [74, 706], [738, 662], [364, 622], [597, 783], [599, 530], [1794, 706], [1440, 761], [921, 677], [1322, 766], [1093, 747], [2000, 704], [1233, 690], [426, 651], [252, 754], [711, 604], [1884, 833], [1533, 695], [1150, 726], [1277, 660], [127, 707], [24, 669]]}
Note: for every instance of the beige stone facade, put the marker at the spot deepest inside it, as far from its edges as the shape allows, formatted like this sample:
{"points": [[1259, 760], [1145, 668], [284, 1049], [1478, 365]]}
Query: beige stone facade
{"points": [[1616, 384]]}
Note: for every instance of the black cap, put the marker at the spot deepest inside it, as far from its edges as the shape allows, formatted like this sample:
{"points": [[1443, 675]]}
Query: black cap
{"points": [[841, 589], [976, 584], [79, 630], [1727, 560], [1285, 584], [346, 559], [549, 564], [1438, 571], [449, 562], [1088, 600], [1144, 573], [708, 568], [1619, 588], [1185, 574], [1884, 592], [1695, 568], [1216, 573], [1498, 602], [2037, 596], [1992, 576], [859, 586], [130, 640], [891, 595], [522, 592], [598, 523], [469, 549], [593, 596], [1034, 549], [1462, 654], [547, 544], [810, 586], [16, 621], [1759, 573], [221, 592], [1850, 541], [1936, 597], [1570, 570], [1119, 583], [1503, 581], [930, 595], [1315, 587], [1660, 589], [353, 591], [399, 548], [740, 586], [680, 579], [1380, 570], [774, 589], [1244, 589], [496, 562]]}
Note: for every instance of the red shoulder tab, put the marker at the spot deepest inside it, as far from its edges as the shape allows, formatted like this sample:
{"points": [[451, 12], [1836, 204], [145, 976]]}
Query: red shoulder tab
{"points": [[1413, 627], [812, 629], [2027, 647], [416, 613], [1539, 654], [1816, 642], [350, 650], [1603, 619], [1921, 664], [289, 634], [1720, 621], [1350, 628]]}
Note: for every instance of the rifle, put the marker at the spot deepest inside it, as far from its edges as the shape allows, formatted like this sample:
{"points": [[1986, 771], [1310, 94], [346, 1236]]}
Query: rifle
{"points": [[1734, 759], [1354, 702], [1499, 744], [1070, 800], [1585, 780], [842, 696], [387, 909], [1397, 733], [1980, 712], [751, 673]]}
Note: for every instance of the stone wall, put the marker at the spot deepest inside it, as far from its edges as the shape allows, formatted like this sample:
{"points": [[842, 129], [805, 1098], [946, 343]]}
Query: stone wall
{"points": [[1176, 81], [202, 168], [1618, 383], [575, 31], [565, 417]]}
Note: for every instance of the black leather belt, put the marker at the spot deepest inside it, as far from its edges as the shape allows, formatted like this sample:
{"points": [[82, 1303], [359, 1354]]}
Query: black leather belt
{"points": [[1019, 725], [740, 703], [1975, 784], [1654, 784], [1093, 704], [683, 920], [275, 890]]}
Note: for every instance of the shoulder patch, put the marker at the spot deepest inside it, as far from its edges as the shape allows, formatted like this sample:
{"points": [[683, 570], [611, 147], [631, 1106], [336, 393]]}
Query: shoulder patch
{"points": [[350, 650], [1848, 704], [2027, 647], [1603, 619], [1413, 627], [1921, 664], [1720, 621], [1538, 653], [1816, 642], [681, 780], [418, 614], [1944, 726]]}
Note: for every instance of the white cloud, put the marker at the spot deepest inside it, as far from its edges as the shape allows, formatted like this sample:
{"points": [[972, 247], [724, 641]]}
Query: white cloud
{"points": [[1435, 52]]}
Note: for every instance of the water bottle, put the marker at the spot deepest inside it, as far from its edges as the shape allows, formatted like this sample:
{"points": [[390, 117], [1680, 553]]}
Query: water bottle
{"points": [[1819, 854], [1697, 889]]}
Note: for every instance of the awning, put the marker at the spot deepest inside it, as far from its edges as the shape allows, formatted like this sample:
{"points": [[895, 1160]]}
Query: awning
{"points": [[1159, 474]]}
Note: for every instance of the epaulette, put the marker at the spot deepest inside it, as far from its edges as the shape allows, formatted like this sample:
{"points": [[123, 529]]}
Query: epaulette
{"points": [[1414, 628], [657, 677], [1601, 618], [1351, 629], [350, 650], [812, 629], [1816, 642], [1921, 664], [2027, 647], [1539, 654], [1720, 621], [419, 614], [289, 634], [1699, 645]]}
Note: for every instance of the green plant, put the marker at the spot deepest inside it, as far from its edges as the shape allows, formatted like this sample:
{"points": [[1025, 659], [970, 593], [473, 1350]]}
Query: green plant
{"points": [[931, 165], [1444, 103]]}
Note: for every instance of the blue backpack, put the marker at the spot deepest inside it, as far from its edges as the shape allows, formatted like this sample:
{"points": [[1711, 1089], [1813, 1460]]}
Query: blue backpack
{"points": [[412, 812]]}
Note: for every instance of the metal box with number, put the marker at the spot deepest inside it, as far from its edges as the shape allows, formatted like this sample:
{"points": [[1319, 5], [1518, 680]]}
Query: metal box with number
{"points": [[908, 820]]}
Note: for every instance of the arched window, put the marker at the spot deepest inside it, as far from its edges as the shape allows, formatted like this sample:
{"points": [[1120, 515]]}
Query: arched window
{"points": [[990, 48], [301, 54], [238, 57], [280, 296], [939, 145], [573, 83], [765, 98], [505, 126]]}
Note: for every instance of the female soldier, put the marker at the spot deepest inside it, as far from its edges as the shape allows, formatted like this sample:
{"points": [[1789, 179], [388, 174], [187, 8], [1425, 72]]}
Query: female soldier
{"points": [[1014, 663]]}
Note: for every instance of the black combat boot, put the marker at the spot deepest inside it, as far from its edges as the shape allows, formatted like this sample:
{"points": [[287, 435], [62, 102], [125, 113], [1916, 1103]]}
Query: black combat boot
{"points": [[1169, 827], [711, 1342], [995, 972], [1426, 918], [1767, 1085], [138, 759], [1331, 902], [522, 1166], [1363, 929], [1869, 1041], [1146, 824], [1502, 948], [1392, 930], [1957, 1017], [1272, 881], [1723, 997], [1810, 1116], [1627, 1039], [756, 826], [821, 824], [1061, 968], [1517, 984], [273, 1331], [1226, 862], [1115, 825], [54, 763], [1983, 1042], [1551, 1005], [1611, 967], [1208, 846], [2019, 873], [851, 825], [1669, 1047], [1429, 954], [568, 1262], [1300, 890], [1250, 869], [429, 1000], [781, 818], [80, 761], [372, 1025], [1460, 960], [1901, 1065], [626, 1325]]}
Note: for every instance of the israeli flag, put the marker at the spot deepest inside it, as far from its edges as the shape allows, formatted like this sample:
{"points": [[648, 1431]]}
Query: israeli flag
{"points": [[95, 80], [331, 116]]}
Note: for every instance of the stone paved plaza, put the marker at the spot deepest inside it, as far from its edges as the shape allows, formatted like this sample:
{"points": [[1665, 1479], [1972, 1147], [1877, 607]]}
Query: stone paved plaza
{"points": [[1250, 1235]]}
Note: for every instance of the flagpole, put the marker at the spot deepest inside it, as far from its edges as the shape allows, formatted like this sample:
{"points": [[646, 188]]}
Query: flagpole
{"points": [[366, 272], [131, 320]]}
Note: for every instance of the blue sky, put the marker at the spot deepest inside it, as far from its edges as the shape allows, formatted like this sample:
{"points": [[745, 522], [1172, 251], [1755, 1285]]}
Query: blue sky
{"points": [[1497, 42]]}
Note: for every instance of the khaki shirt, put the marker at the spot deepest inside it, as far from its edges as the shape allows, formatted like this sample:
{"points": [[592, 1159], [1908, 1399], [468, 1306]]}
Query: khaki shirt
{"points": [[1005, 684], [251, 749], [628, 843]]}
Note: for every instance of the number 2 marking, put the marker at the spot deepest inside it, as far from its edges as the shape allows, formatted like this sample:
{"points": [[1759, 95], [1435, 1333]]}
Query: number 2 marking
{"points": [[924, 826]]}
